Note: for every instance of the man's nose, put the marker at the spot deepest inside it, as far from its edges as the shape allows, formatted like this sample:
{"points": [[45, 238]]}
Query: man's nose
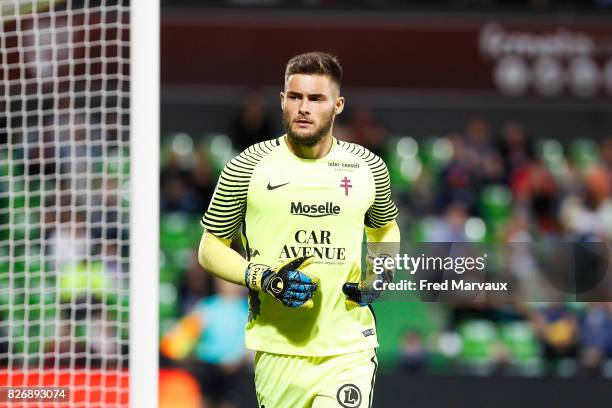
{"points": [[304, 107]]}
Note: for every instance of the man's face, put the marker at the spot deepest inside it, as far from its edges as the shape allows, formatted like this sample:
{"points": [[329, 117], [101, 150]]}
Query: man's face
{"points": [[309, 103]]}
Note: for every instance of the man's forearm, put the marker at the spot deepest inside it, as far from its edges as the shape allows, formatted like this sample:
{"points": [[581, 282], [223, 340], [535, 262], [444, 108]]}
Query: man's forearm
{"points": [[218, 258], [389, 232], [289, 283], [384, 242]]}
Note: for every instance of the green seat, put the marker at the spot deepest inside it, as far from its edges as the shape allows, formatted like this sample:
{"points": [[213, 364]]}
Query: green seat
{"points": [[4, 262], [176, 231], [5, 231], [49, 324], [32, 338], [33, 198], [5, 298], [41, 291], [30, 269], [584, 153], [423, 229], [168, 301], [436, 152], [551, 153], [495, 202], [169, 271], [5, 165], [17, 341], [17, 160], [116, 164], [50, 312], [393, 319], [478, 340], [403, 162], [80, 332], [25, 224], [165, 325], [521, 342], [124, 316], [220, 150]]}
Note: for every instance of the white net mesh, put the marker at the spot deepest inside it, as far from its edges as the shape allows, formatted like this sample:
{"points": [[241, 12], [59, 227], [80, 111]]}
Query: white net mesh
{"points": [[64, 161]]}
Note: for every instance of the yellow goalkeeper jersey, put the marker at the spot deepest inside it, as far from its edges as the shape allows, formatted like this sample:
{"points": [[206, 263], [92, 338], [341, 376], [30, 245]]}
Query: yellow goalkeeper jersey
{"points": [[284, 207]]}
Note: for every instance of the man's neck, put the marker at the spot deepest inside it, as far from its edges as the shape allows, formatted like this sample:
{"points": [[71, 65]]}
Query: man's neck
{"points": [[311, 152]]}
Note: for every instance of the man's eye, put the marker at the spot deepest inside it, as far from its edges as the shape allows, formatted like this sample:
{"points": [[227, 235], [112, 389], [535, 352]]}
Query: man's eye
{"points": [[293, 97]]}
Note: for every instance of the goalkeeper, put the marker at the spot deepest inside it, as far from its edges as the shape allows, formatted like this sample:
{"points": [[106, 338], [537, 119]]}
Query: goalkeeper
{"points": [[300, 203]]}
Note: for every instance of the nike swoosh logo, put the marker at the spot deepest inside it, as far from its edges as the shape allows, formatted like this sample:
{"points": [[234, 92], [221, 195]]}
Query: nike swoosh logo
{"points": [[271, 187]]}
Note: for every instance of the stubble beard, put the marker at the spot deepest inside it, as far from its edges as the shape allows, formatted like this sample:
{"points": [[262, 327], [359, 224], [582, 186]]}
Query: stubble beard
{"points": [[308, 139]]}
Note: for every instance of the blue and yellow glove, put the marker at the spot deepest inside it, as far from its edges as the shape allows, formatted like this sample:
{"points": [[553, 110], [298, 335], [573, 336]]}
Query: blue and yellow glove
{"points": [[363, 293], [289, 283]]}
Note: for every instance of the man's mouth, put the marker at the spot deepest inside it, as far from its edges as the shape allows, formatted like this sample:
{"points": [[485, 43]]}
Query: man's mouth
{"points": [[303, 122]]}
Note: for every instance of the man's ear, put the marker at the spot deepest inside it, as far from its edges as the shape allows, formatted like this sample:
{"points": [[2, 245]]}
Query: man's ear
{"points": [[282, 100], [339, 105]]}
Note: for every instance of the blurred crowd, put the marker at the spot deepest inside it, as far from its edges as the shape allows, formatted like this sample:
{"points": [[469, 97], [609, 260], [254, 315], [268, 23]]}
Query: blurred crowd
{"points": [[64, 237], [481, 183]]}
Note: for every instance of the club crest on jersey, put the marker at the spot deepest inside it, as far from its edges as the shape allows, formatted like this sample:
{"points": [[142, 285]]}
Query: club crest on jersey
{"points": [[349, 396], [345, 183]]}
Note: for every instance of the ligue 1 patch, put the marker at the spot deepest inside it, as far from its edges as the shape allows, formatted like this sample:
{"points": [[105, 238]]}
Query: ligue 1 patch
{"points": [[368, 332], [349, 396]]}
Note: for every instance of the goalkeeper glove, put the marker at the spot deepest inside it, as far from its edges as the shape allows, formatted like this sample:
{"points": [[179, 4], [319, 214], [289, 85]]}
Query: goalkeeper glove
{"points": [[366, 291], [288, 283]]}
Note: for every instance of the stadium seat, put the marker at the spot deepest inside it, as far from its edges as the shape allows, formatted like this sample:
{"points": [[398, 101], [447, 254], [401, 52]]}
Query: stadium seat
{"points": [[583, 153], [176, 232], [17, 160], [523, 346], [168, 304], [495, 202], [423, 229], [436, 152], [4, 262], [394, 319], [220, 150], [403, 162], [5, 166], [551, 153], [495, 207], [33, 194], [478, 339]]}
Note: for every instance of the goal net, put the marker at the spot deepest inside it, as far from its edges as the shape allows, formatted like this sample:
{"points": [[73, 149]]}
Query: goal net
{"points": [[64, 198]]}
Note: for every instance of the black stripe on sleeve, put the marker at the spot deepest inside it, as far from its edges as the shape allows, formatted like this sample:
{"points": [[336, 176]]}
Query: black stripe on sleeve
{"points": [[227, 208]]}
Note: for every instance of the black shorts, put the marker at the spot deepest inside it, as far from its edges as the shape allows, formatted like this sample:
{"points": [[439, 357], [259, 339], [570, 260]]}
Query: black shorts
{"points": [[217, 383]]}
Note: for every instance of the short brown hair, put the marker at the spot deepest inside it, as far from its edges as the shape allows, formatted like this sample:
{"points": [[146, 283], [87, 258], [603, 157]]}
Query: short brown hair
{"points": [[316, 62]]}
